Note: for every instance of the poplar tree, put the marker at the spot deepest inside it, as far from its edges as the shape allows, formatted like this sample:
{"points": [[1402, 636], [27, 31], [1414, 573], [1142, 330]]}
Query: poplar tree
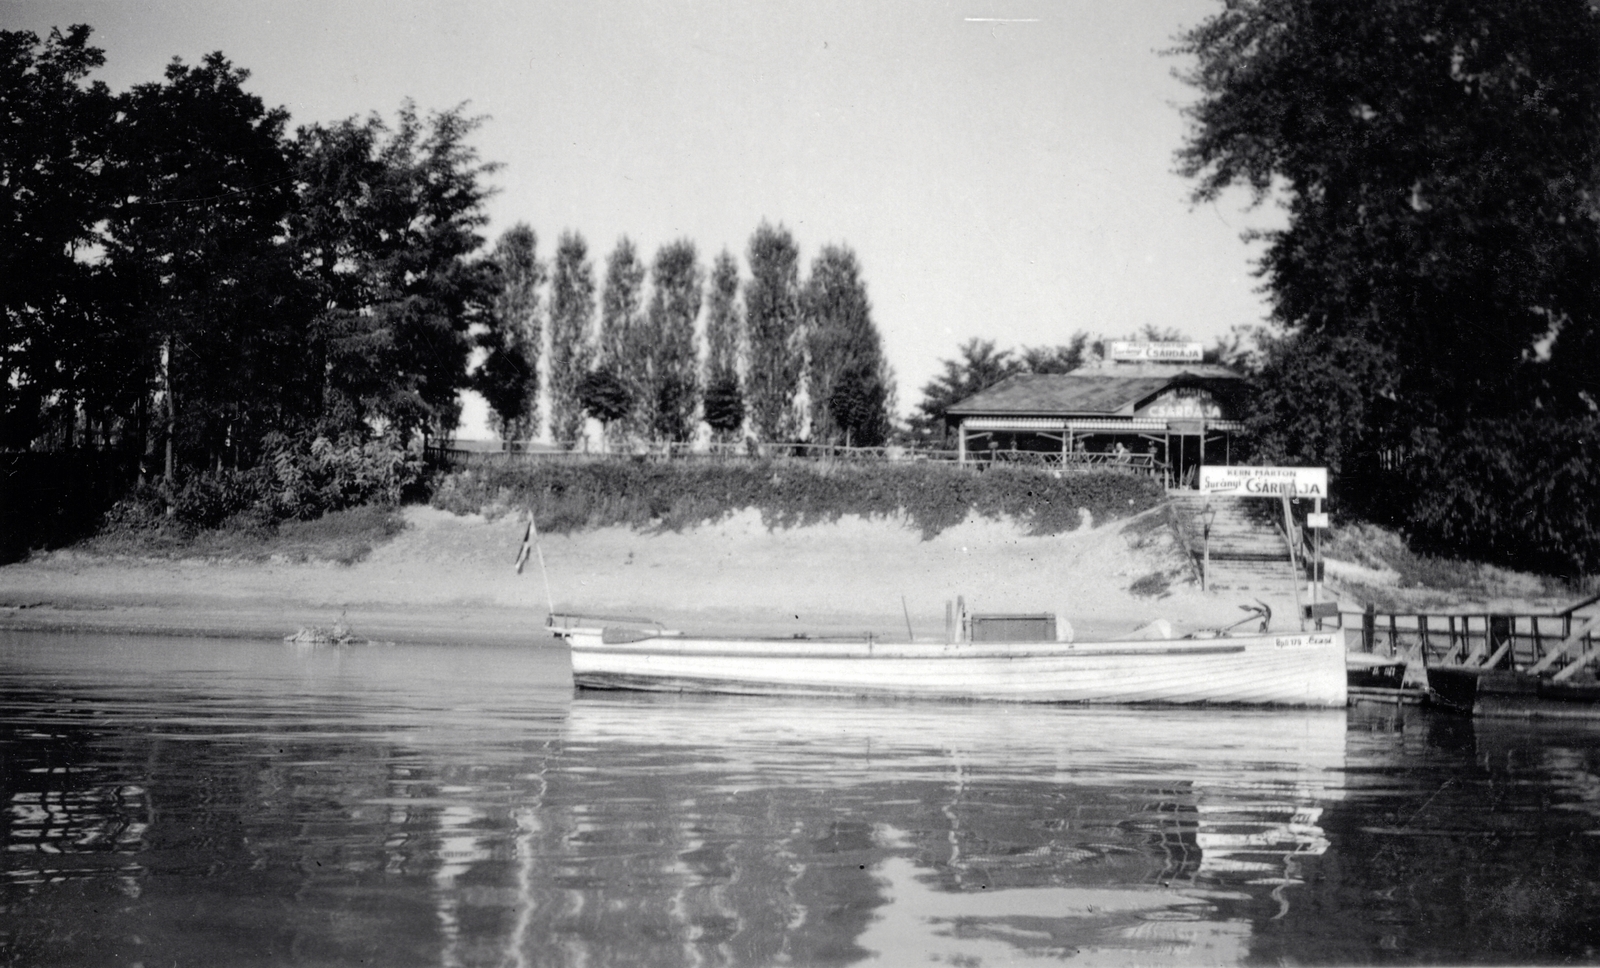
{"points": [[571, 344], [672, 351], [508, 377], [846, 373], [623, 343], [725, 342], [772, 321]]}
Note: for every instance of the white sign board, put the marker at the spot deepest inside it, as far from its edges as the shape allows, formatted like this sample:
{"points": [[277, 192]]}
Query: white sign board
{"points": [[1315, 520], [1123, 349], [1265, 481]]}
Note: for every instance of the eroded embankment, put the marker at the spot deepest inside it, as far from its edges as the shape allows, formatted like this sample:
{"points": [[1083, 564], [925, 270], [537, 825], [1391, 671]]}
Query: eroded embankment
{"points": [[451, 576]]}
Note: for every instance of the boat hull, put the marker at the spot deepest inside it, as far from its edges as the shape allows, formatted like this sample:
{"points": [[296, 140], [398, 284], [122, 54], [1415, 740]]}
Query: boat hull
{"points": [[1294, 670]]}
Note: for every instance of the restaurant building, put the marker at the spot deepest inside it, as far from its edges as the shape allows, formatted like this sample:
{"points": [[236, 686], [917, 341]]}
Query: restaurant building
{"points": [[1154, 407]]}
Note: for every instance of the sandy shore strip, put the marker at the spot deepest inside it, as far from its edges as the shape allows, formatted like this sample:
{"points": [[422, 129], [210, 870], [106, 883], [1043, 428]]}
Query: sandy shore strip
{"points": [[450, 578]]}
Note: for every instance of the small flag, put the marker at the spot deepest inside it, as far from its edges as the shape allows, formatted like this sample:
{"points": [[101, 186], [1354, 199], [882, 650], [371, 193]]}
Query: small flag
{"points": [[527, 546]]}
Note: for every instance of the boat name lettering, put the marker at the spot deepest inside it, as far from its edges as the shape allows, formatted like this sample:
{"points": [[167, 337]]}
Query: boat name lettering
{"points": [[1294, 641]]}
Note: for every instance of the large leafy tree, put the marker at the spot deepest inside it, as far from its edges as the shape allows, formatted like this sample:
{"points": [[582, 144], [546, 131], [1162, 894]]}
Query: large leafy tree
{"points": [[672, 348], [341, 229], [773, 328], [388, 227], [848, 378], [1437, 163], [571, 340], [508, 376], [202, 182], [55, 344], [977, 366], [725, 340]]}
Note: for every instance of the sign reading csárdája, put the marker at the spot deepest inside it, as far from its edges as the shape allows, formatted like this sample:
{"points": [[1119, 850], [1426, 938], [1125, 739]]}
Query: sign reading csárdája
{"points": [[1265, 481], [1122, 349]]}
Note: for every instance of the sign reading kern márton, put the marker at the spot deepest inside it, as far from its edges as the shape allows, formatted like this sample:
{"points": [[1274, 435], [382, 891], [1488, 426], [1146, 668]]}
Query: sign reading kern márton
{"points": [[1265, 481]]}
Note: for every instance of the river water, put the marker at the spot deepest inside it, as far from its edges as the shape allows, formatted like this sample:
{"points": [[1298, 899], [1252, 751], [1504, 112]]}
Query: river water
{"points": [[203, 802]]}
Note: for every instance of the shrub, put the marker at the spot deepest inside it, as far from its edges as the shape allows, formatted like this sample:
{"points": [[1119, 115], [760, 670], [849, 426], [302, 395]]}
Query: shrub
{"points": [[297, 479], [306, 479], [570, 496]]}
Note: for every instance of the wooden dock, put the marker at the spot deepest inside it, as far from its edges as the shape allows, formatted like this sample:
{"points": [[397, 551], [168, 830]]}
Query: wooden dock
{"points": [[1527, 666]]}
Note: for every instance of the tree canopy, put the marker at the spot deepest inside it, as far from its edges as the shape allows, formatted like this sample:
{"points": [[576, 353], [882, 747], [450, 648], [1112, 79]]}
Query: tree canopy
{"points": [[508, 376], [53, 338], [185, 277], [773, 329], [848, 378], [571, 340], [979, 365], [1439, 165], [673, 362]]}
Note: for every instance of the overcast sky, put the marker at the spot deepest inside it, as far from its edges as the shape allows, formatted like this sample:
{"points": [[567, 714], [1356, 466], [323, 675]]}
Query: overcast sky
{"points": [[1002, 168]]}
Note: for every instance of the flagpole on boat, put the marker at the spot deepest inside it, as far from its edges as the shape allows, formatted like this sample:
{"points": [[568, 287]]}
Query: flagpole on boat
{"points": [[530, 539]]}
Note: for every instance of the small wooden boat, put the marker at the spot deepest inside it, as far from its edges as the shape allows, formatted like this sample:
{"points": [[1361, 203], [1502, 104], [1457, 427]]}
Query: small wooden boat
{"points": [[1009, 659], [1382, 679]]}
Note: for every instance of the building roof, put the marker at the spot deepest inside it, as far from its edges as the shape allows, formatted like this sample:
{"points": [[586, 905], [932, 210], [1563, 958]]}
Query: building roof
{"points": [[1060, 393], [1086, 392]]}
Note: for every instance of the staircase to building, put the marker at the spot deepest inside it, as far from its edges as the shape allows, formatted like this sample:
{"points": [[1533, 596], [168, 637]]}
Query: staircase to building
{"points": [[1247, 547]]}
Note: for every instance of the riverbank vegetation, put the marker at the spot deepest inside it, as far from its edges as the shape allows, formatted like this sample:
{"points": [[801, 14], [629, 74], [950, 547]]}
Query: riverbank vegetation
{"points": [[341, 537], [572, 496]]}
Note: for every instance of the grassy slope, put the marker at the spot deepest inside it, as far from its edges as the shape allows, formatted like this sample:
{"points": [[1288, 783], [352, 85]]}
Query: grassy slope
{"points": [[344, 537], [1393, 577]]}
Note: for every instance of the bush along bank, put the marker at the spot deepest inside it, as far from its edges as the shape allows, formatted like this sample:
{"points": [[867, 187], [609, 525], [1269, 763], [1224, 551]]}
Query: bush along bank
{"points": [[306, 499], [573, 496]]}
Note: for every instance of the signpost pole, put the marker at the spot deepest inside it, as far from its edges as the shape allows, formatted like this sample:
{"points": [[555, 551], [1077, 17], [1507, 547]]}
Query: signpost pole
{"points": [[1316, 559]]}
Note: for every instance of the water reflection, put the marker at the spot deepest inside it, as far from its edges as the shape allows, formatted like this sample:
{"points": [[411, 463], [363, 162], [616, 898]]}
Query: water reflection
{"points": [[1037, 832], [228, 802]]}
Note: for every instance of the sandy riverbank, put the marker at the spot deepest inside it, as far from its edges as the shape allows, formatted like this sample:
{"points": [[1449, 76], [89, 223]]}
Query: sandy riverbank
{"points": [[450, 578]]}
